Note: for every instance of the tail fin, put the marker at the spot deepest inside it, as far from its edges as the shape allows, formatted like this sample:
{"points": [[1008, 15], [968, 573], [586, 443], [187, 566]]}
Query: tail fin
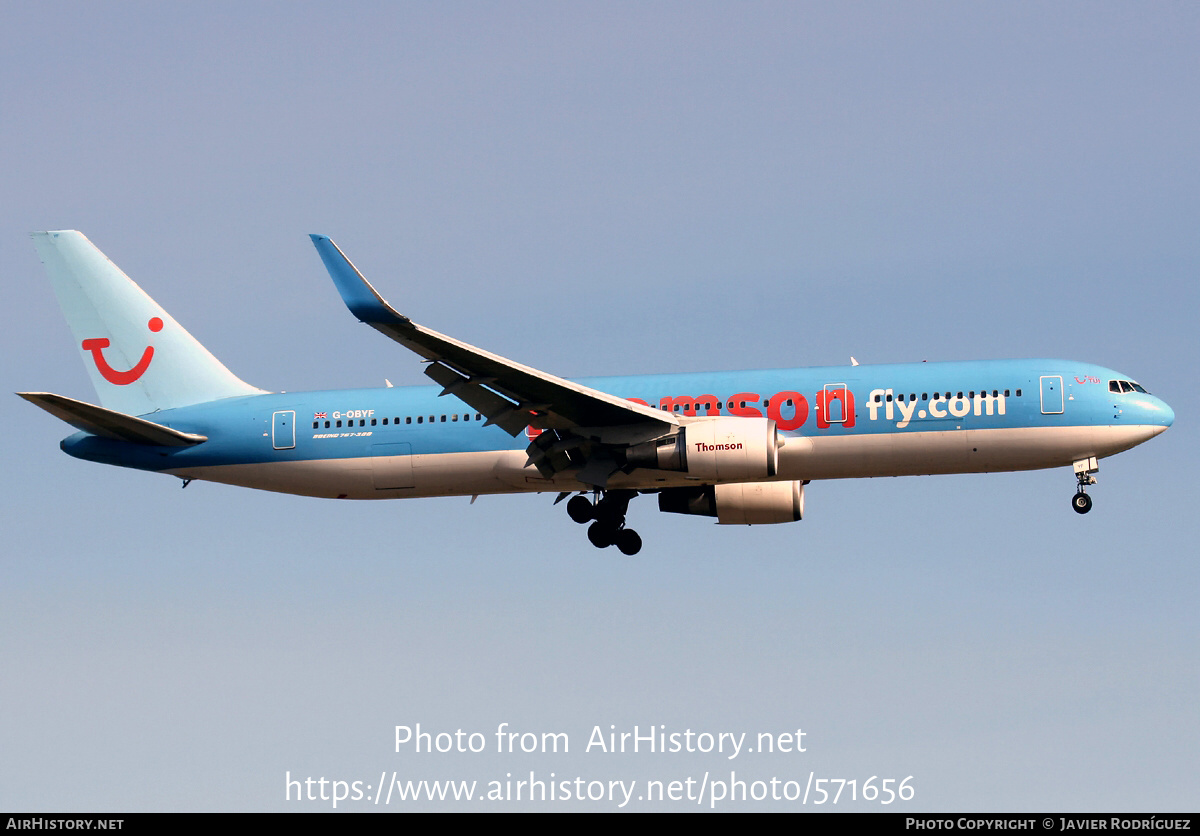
{"points": [[139, 358]]}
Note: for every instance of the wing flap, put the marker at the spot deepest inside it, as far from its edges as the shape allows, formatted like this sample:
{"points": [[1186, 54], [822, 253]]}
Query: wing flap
{"points": [[108, 423], [499, 410]]}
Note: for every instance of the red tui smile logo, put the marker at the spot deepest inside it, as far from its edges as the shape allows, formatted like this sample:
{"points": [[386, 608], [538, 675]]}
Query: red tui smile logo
{"points": [[97, 346]]}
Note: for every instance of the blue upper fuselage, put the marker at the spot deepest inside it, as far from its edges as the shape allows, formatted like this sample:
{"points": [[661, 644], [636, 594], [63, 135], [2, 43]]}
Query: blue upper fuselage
{"points": [[838, 400]]}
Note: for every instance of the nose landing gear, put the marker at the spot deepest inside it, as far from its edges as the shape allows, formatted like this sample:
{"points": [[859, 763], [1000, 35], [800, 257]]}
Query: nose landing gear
{"points": [[1084, 468], [607, 517]]}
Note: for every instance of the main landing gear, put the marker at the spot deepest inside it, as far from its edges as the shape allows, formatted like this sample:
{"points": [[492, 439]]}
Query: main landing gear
{"points": [[607, 518], [1084, 468]]}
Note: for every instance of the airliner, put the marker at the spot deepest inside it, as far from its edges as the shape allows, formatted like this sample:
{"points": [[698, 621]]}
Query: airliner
{"points": [[737, 446]]}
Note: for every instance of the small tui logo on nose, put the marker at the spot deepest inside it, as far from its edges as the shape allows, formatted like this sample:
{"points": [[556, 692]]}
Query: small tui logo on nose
{"points": [[97, 346]]}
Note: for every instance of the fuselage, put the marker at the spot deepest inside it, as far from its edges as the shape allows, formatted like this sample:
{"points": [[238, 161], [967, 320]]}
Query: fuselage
{"points": [[838, 422]]}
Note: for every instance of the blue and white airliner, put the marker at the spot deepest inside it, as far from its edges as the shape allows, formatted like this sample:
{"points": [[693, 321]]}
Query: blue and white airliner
{"points": [[738, 446]]}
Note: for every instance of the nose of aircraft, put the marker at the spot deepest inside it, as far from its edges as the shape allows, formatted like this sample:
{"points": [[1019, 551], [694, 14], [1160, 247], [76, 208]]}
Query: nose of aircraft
{"points": [[1159, 413], [1168, 414]]}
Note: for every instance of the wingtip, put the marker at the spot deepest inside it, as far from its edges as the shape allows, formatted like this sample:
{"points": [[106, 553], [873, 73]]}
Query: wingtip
{"points": [[362, 299]]}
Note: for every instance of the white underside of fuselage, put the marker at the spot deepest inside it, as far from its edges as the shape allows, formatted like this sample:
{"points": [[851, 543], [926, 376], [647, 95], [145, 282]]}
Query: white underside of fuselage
{"points": [[803, 457]]}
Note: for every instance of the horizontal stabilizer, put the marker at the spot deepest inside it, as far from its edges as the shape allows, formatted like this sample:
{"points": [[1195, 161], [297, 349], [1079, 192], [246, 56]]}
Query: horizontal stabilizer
{"points": [[107, 423]]}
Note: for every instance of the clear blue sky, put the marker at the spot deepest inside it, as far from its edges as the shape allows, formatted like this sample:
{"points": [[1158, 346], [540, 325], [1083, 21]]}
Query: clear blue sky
{"points": [[607, 189]]}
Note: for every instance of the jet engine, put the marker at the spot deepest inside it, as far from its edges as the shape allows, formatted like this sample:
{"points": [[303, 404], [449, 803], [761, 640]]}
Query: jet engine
{"points": [[714, 448], [740, 503]]}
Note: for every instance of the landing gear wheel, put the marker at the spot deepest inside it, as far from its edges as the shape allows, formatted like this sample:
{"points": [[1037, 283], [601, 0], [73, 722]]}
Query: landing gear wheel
{"points": [[608, 519], [579, 508], [628, 541], [1082, 503], [601, 535]]}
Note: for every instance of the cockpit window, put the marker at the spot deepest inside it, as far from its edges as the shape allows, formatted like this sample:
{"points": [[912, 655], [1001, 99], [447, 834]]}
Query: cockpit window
{"points": [[1125, 386]]}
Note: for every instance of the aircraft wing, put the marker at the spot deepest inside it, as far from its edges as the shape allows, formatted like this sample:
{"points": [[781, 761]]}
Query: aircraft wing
{"points": [[509, 394]]}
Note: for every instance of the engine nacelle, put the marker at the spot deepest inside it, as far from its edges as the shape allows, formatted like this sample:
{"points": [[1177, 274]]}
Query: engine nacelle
{"points": [[740, 503], [717, 449]]}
